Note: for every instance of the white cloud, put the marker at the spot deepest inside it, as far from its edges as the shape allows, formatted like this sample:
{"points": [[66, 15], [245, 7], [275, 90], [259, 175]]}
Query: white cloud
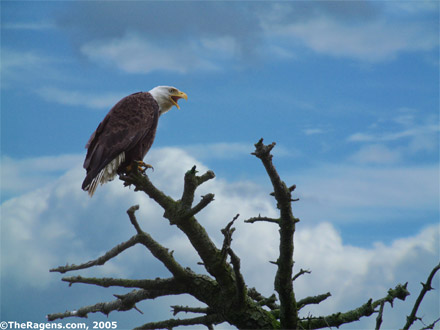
{"points": [[368, 39], [376, 154], [17, 64], [134, 54], [401, 137], [218, 150], [411, 132], [357, 274], [79, 98], [351, 193], [30, 68], [313, 131], [34, 26], [28, 174], [59, 223]]}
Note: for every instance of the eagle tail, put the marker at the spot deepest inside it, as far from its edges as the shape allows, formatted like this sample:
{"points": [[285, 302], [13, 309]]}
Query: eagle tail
{"points": [[107, 174]]}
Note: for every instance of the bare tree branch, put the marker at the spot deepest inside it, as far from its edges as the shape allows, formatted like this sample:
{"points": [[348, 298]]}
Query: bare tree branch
{"points": [[283, 278], [101, 260], [206, 199], [156, 249], [301, 272], [123, 303], [260, 218], [187, 309], [172, 323], [263, 301], [312, 300], [431, 326], [367, 309], [380, 316], [166, 284], [425, 288]]}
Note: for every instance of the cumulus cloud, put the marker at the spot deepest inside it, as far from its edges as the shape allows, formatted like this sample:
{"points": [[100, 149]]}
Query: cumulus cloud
{"points": [[362, 193], [59, 223], [19, 176]]}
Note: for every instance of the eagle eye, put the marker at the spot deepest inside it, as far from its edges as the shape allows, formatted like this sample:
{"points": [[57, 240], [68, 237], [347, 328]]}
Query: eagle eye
{"points": [[172, 90]]}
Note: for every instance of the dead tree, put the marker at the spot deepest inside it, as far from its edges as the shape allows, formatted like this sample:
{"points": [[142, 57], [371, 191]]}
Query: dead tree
{"points": [[224, 291]]}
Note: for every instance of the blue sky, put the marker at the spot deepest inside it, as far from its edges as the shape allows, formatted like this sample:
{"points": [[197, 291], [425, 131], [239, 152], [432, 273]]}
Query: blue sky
{"points": [[349, 90]]}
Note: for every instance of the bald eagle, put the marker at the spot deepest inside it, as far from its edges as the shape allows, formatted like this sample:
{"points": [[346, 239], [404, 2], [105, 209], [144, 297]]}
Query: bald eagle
{"points": [[126, 134]]}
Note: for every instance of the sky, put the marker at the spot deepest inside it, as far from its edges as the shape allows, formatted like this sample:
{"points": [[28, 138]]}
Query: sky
{"points": [[349, 91]]}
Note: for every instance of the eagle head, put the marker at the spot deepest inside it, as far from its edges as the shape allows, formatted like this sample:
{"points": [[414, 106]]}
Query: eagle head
{"points": [[166, 97]]}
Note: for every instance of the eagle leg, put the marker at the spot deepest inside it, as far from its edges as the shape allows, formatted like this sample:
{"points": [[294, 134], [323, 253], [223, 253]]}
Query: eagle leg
{"points": [[141, 166]]}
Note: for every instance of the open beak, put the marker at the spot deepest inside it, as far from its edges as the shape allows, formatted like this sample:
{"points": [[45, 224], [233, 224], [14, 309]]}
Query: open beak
{"points": [[179, 95]]}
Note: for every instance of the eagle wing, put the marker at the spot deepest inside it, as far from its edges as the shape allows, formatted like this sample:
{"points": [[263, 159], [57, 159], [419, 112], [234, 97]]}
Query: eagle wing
{"points": [[126, 125]]}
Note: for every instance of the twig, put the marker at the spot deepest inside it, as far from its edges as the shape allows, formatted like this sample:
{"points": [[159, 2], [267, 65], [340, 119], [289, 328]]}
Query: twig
{"points": [[337, 319], [156, 249], [235, 260], [379, 316], [431, 326], [171, 323], [133, 219], [301, 272], [263, 301], [192, 181], [206, 199], [260, 218], [227, 233], [101, 260], [312, 300], [239, 280], [187, 309], [425, 288], [123, 303], [166, 284]]}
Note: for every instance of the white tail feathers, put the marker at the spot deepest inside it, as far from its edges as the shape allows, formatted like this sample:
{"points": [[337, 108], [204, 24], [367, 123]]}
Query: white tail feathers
{"points": [[107, 174]]}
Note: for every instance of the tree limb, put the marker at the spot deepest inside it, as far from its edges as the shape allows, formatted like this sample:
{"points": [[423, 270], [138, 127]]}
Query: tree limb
{"points": [[263, 301], [166, 284], [260, 218], [156, 249], [425, 288], [337, 319], [123, 303], [283, 278], [312, 300], [101, 260], [172, 323], [301, 272], [187, 309]]}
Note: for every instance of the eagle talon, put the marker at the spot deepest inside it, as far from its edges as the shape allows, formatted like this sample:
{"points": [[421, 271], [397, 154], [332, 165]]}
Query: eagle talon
{"points": [[143, 167]]}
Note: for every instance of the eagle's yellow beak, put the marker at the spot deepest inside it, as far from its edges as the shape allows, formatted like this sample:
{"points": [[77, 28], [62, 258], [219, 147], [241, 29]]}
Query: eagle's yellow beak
{"points": [[176, 96]]}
